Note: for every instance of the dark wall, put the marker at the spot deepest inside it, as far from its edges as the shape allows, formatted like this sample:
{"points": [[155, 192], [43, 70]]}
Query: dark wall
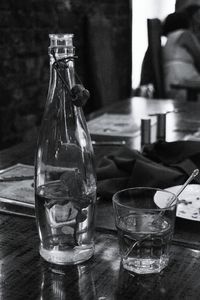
{"points": [[102, 31]]}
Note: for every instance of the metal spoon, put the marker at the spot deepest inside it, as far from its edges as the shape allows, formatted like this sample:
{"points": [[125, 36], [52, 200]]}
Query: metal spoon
{"points": [[192, 176]]}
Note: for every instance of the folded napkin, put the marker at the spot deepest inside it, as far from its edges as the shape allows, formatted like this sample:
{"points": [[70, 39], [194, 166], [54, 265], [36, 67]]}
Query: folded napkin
{"points": [[162, 164]]}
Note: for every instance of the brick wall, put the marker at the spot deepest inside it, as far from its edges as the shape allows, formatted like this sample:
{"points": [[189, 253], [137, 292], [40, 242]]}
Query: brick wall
{"points": [[24, 29]]}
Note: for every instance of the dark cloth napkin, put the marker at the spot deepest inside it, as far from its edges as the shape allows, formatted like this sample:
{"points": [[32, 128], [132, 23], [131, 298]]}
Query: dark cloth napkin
{"points": [[162, 164]]}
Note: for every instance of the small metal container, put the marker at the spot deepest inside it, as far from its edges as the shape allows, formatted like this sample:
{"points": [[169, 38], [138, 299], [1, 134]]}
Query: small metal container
{"points": [[161, 127], [145, 132]]}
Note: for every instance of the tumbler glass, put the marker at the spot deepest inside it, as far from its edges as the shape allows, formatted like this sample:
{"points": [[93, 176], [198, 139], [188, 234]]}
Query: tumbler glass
{"points": [[144, 218]]}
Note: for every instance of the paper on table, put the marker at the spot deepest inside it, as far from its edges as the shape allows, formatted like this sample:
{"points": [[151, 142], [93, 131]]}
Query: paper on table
{"points": [[17, 196], [114, 125], [193, 137]]}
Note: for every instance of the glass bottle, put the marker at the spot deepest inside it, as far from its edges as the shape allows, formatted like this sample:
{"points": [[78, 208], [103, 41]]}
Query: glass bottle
{"points": [[65, 181]]}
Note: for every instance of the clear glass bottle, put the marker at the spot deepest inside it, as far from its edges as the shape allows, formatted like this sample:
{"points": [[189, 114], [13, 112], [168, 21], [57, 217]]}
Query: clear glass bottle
{"points": [[65, 181]]}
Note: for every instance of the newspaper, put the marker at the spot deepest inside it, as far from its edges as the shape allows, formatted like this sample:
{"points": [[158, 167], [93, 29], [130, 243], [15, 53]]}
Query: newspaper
{"points": [[17, 190]]}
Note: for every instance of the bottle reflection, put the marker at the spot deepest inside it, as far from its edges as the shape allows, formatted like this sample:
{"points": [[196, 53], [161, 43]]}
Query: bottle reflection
{"points": [[146, 286], [71, 282]]}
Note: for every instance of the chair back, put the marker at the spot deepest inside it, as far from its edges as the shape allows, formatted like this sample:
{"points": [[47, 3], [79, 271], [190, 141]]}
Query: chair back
{"points": [[154, 27]]}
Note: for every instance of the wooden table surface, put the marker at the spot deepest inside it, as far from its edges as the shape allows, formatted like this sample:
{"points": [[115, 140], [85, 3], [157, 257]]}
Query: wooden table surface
{"points": [[25, 275]]}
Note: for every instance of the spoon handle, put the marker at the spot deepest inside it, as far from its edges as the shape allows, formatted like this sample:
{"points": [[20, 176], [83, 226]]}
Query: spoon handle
{"points": [[192, 176]]}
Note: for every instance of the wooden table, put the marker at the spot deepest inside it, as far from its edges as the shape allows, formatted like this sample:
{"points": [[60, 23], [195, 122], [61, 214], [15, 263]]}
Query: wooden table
{"points": [[24, 274], [184, 117]]}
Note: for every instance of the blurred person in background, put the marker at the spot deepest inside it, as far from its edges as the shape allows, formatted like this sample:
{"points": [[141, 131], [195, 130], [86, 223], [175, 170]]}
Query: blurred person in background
{"points": [[193, 13], [181, 53]]}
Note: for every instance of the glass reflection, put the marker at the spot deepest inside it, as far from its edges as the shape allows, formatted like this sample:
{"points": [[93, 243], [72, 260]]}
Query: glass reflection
{"points": [[71, 282], [141, 286]]}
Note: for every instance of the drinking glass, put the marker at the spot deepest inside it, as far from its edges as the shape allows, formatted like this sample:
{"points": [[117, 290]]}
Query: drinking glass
{"points": [[144, 218]]}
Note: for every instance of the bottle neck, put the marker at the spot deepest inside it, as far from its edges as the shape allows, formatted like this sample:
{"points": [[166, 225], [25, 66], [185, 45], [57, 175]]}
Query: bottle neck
{"points": [[62, 66], [58, 53]]}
